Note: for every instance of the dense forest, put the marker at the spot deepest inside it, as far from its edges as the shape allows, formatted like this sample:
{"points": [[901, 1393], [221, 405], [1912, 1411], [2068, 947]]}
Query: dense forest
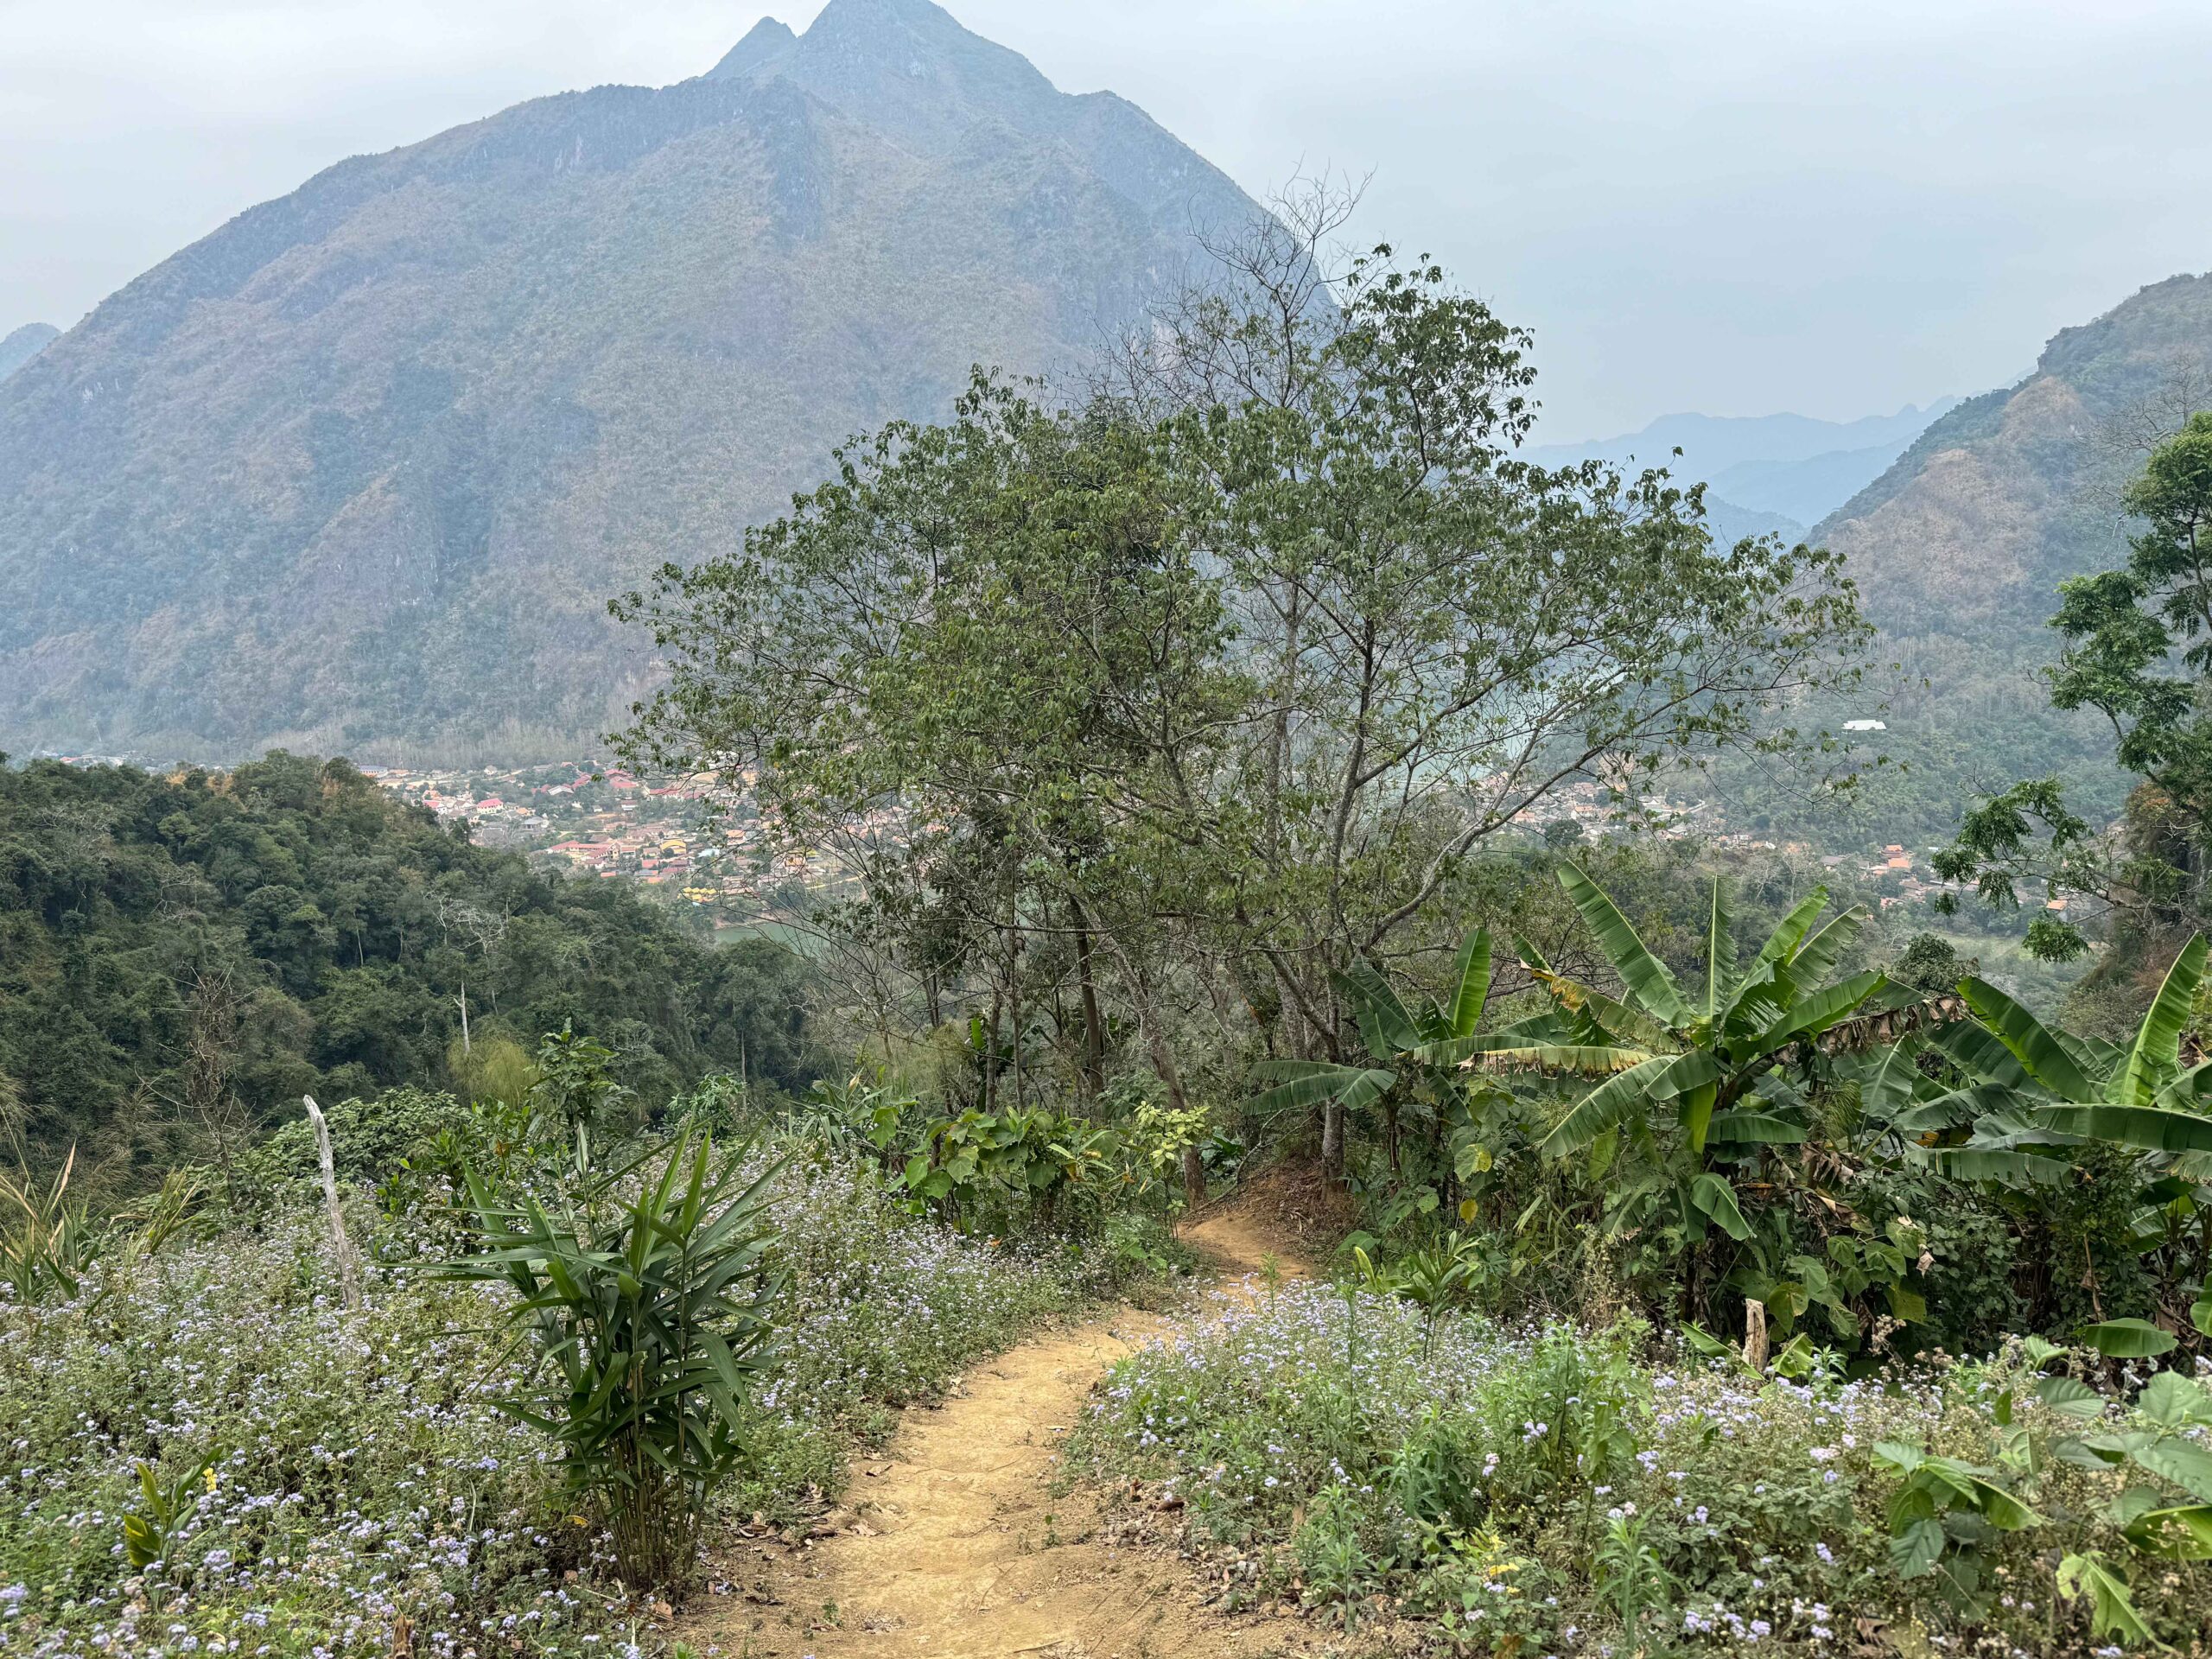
{"points": [[182, 957]]}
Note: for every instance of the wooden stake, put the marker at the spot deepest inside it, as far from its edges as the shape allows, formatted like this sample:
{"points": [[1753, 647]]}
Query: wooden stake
{"points": [[348, 1287]]}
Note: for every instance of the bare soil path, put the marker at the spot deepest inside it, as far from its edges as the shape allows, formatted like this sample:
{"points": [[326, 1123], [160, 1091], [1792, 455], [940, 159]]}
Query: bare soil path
{"points": [[957, 1548]]}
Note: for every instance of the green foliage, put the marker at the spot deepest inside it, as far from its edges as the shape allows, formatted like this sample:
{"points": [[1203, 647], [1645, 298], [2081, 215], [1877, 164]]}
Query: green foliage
{"points": [[1489, 1481], [2138, 652], [357, 1453], [188, 955], [1334, 638], [652, 1308], [47, 1237]]}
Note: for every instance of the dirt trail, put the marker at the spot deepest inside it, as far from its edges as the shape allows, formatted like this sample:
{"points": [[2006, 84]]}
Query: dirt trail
{"points": [[958, 1549]]}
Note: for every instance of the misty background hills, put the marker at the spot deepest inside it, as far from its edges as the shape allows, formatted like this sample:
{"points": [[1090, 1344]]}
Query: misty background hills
{"points": [[1781, 473], [360, 469]]}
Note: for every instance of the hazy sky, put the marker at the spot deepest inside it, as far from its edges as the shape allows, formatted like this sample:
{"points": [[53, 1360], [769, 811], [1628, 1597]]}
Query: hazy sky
{"points": [[1731, 205]]}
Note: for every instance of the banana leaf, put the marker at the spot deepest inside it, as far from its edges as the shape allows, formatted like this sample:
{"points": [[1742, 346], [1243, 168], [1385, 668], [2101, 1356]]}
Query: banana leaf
{"points": [[1470, 984], [1648, 980], [1613, 1101], [2045, 1058], [2156, 1055]]}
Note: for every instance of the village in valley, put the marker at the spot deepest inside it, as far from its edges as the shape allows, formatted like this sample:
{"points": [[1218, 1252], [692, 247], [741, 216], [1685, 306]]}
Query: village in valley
{"points": [[696, 841]]}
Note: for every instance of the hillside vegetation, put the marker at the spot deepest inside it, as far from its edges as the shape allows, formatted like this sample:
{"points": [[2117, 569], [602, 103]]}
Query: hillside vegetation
{"points": [[182, 957], [1959, 548]]}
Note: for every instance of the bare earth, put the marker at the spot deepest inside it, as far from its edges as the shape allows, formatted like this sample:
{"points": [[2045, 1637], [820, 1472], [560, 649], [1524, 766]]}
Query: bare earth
{"points": [[957, 1548]]}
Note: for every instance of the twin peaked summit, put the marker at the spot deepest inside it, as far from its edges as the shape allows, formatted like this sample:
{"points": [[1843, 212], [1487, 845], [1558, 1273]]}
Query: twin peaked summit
{"points": [[364, 465]]}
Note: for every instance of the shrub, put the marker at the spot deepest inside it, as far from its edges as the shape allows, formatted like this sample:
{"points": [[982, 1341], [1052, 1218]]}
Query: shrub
{"points": [[652, 1309]]}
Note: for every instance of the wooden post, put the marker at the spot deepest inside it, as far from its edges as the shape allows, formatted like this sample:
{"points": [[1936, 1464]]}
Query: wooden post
{"points": [[1755, 1335], [348, 1287]]}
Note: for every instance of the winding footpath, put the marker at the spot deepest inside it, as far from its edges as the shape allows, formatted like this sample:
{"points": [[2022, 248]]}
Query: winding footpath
{"points": [[956, 1547]]}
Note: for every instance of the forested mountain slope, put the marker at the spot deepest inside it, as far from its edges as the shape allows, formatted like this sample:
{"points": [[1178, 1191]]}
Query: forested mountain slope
{"points": [[365, 464], [200, 947], [1960, 546]]}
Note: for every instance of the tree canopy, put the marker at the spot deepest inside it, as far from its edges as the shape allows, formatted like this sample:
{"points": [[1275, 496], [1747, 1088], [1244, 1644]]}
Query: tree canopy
{"points": [[1221, 667], [180, 952]]}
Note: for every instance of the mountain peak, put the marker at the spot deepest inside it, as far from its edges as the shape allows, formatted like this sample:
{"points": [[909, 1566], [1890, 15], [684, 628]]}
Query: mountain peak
{"points": [[765, 41], [905, 68]]}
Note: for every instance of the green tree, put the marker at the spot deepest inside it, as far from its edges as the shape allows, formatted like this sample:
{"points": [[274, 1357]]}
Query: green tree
{"points": [[1203, 690]]}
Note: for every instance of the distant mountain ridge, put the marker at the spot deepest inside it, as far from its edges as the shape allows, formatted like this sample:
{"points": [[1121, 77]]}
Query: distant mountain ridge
{"points": [[360, 469], [23, 344], [1778, 471]]}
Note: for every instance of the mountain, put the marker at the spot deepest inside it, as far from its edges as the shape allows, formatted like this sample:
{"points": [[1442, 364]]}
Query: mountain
{"points": [[1959, 547], [1778, 471], [361, 469], [24, 344]]}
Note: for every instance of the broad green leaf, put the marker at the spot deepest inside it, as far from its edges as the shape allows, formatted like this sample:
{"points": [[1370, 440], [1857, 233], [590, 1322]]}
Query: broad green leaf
{"points": [[2035, 1049], [2183, 1534], [1808, 1019], [1618, 1018], [1716, 1200], [1648, 979], [2155, 1056], [1895, 1080], [1697, 1113], [1742, 1129], [2174, 1401], [2070, 1398], [2013, 1169], [1914, 1552], [1979, 1052], [2190, 1091], [1818, 954], [2200, 1310], [1610, 1102], [1307, 1083], [1719, 954], [2183, 1462], [2126, 1340], [1690, 1071], [2001, 1509], [1899, 1456], [1782, 943], [1953, 1108], [1383, 1023], [2147, 1128], [2111, 1612], [1470, 984]]}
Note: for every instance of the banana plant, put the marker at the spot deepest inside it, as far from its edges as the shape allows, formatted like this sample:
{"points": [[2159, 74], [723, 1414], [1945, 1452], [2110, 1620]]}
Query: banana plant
{"points": [[1693, 1081], [2029, 1101], [1410, 1055]]}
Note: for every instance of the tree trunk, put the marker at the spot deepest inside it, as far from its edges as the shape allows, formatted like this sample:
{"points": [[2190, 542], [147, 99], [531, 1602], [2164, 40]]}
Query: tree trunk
{"points": [[1332, 1141], [1194, 1177], [1094, 1025], [1014, 986]]}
